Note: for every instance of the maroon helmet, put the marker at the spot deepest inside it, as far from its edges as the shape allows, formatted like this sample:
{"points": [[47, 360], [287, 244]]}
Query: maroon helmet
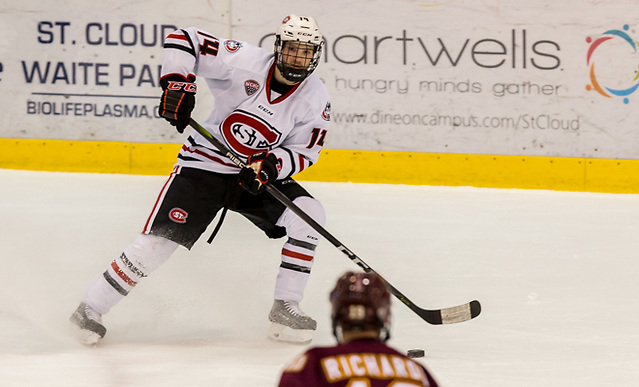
{"points": [[360, 301]]}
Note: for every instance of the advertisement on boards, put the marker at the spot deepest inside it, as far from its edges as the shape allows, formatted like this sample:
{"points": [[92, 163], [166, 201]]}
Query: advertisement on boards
{"points": [[540, 78]]}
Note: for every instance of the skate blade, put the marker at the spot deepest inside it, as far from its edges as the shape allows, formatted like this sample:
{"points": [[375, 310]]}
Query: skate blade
{"points": [[279, 332], [85, 337]]}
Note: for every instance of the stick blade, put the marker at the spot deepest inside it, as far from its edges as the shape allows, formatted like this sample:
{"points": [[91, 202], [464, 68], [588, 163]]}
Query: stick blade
{"points": [[452, 315]]}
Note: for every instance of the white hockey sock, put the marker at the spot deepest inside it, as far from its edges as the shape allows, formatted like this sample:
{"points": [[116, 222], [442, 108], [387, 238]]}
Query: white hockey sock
{"points": [[298, 252], [137, 261], [297, 260], [101, 296]]}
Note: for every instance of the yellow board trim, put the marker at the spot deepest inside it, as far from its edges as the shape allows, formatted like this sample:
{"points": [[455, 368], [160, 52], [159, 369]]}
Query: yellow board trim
{"points": [[488, 171], [88, 156]]}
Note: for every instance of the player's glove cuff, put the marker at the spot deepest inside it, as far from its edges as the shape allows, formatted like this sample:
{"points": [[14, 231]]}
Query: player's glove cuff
{"points": [[178, 99]]}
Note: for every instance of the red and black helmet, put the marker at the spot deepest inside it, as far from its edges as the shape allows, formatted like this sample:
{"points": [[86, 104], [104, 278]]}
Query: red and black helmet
{"points": [[360, 301]]}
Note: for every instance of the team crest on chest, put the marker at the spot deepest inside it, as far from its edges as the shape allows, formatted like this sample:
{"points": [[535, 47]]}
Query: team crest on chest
{"points": [[251, 86], [232, 45], [247, 133]]}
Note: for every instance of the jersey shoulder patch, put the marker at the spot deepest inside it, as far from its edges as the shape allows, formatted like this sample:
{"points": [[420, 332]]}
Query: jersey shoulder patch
{"points": [[232, 46]]}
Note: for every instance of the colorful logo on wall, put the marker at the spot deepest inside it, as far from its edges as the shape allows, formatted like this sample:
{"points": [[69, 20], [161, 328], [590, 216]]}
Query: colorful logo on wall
{"points": [[616, 39]]}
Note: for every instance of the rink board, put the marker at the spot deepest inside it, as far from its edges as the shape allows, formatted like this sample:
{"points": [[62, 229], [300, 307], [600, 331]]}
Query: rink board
{"points": [[488, 171]]}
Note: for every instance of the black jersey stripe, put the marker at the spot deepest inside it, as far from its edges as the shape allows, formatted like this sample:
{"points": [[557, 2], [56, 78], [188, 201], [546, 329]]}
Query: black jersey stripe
{"points": [[178, 47], [187, 158], [215, 151], [294, 167], [188, 38]]}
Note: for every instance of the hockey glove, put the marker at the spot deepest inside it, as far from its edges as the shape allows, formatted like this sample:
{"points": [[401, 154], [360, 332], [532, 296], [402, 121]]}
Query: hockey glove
{"points": [[178, 100], [261, 168]]}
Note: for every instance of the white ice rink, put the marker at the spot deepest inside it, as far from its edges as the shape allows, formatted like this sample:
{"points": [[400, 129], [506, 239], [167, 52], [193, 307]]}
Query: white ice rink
{"points": [[557, 274]]}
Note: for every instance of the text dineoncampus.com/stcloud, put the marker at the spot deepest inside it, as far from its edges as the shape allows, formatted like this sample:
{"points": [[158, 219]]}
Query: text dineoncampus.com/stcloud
{"points": [[520, 121]]}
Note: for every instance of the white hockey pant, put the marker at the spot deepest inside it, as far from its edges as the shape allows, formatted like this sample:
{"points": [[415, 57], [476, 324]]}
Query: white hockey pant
{"points": [[298, 252], [141, 258]]}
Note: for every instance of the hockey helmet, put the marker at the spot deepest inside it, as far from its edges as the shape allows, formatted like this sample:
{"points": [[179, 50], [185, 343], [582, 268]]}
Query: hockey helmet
{"points": [[304, 33], [360, 301]]}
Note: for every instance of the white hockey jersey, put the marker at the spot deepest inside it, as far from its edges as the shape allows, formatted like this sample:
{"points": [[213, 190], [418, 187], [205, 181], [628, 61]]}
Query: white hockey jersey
{"points": [[247, 115]]}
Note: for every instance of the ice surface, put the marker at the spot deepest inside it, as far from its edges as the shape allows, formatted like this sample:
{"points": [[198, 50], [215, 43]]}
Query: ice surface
{"points": [[556, 272]]}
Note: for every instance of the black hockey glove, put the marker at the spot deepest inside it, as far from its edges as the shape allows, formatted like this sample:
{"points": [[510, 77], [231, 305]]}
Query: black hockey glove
{"points": [[261, 168], [178, 100]]}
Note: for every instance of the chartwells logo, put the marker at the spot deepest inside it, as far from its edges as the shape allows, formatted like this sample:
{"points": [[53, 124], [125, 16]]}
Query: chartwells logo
{"points": [[613, 60], [517, 48]]}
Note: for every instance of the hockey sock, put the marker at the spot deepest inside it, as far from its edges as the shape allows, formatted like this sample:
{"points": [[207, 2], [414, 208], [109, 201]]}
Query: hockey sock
{"points": [[137, 261], [298, 252], [297, 260]]}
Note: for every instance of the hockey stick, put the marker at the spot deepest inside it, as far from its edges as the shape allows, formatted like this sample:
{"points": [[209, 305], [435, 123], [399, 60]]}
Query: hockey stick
{"points": [[450, 315]]}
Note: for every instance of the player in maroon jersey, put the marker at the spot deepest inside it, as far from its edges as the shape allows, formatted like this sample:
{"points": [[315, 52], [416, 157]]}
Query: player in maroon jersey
{"points": [[361, 325]]}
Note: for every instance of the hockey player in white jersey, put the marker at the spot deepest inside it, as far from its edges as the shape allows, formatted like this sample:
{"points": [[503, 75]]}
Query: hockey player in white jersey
{"points": [[273, 113]]}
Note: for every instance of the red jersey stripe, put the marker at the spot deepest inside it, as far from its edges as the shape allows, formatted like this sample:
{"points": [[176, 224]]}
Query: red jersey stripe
{"points": [[177, 36], [301, 161], [149, 220]]}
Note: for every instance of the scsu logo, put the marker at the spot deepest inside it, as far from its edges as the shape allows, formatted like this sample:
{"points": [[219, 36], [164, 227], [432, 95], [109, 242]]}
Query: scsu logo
{"points": [[178, 215], [232, 45], [246, 133]]}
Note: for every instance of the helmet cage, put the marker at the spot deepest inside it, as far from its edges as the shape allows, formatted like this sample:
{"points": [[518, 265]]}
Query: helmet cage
{"points": [[301, 30]]}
